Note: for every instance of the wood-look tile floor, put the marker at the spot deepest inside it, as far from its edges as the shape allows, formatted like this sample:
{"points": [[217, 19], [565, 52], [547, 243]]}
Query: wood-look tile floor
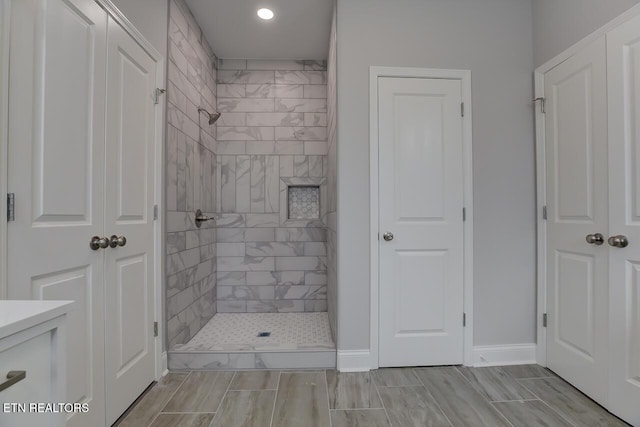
{"points": [[527, 396]]}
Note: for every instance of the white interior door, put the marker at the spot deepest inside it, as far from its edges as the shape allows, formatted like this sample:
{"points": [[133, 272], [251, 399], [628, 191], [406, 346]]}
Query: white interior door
{"points": [[623, 53], [129, 190], [577, 202], [56, 168], [421, 201]]}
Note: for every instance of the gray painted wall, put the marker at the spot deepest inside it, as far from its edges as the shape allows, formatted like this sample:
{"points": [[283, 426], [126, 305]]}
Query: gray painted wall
{"points": [[558, 24], [150, 17], [493, 38]]}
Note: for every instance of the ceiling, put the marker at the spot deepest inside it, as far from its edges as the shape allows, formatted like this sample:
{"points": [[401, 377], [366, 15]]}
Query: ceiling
{"points": [[299, 30]]}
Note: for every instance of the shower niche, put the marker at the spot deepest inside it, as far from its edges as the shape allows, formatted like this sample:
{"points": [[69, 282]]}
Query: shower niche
{"points": [[302, 202]]}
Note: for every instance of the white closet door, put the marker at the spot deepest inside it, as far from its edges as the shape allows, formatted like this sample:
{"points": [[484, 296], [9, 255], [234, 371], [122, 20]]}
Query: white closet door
{"points": [[129, 198], [577, 177], [421, 200], [623, 52], [56, 169]]}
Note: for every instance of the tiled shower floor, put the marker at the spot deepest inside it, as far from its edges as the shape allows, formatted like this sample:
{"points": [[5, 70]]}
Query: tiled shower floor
{"points": [[239, 332]]}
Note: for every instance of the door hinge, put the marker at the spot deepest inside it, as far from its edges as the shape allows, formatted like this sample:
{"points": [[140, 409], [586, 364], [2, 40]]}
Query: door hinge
{"points": [[544, 320], [155, 212], [464, 214], [11, 207], [156, 95], [462, 109], [542, 100], [155, 329], [544, 213], [464, 319]]}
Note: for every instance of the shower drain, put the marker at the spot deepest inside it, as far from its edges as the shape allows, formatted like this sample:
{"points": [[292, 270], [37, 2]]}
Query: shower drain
{"points": [[264, 334]]}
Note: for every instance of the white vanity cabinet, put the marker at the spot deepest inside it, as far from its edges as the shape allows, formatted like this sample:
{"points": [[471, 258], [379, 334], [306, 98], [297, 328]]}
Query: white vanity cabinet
{"points": [[32, 363]]}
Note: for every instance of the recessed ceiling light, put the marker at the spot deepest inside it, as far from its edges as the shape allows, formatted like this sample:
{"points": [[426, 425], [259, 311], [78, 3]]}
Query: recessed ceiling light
{"points": [[265, 13]]}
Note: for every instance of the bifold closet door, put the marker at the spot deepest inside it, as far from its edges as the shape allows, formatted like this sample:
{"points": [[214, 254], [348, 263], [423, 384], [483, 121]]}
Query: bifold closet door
{"points": [[56, 170], [129, 199], [577, 203], [623, 56]]}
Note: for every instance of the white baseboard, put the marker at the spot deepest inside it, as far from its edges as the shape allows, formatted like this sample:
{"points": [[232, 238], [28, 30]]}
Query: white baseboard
{"points": [[497, 355], [164, 364], [354, 360]]}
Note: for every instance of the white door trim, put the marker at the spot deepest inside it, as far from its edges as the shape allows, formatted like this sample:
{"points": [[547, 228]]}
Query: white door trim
{"points": [[124, 22], [541, 167], [5, 14], [465, 78]]}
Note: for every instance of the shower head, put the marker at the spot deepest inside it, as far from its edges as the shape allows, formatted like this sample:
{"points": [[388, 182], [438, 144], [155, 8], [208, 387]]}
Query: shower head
{"points": [[213, 117]]}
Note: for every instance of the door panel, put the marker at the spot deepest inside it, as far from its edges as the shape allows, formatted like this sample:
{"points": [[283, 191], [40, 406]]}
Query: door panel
{"points": [[573, 146], [56, 168], [575, 298], [410, 294], [577, 282], [623, 63], [421, 200], [74, 285], [129, 275]]}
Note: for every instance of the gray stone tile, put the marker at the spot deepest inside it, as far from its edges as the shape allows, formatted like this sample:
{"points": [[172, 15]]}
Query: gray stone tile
{"points": [[296, 105], [254, 105], [412, 406], [395, 377], [245, 408], [155, 399], [255, 380], [246, 77], [182, 420], [570, 403], [352, 390], [316, 305], [202, 391], [286, 64], [302, 400], [355, 418], [243, 183], [258, 278], [301, 77], [463, 405], [531, 413], [321, 359], [212, 361], [528, 371], [495, 384], [261, 249]]}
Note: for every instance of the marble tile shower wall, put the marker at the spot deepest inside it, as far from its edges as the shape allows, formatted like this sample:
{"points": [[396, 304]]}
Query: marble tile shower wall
{"points": [[191, 163], [332, 157], [272, 132]]}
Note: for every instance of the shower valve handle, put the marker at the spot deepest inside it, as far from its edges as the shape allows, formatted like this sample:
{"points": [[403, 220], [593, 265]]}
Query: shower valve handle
{"points": [[200, 218]]}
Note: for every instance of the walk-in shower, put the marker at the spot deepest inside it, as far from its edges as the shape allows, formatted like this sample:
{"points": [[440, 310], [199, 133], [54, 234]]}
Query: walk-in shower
{"points": [[256, 288]]}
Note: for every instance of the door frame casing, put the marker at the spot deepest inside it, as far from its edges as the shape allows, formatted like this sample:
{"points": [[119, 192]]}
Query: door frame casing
{"points": [[541, 168], [5, 16], [125, 23], [464, 76]]}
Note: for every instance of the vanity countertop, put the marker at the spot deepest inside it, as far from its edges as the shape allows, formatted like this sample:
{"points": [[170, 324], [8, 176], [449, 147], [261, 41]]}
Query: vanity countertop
{"points": [[18, 315]]}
